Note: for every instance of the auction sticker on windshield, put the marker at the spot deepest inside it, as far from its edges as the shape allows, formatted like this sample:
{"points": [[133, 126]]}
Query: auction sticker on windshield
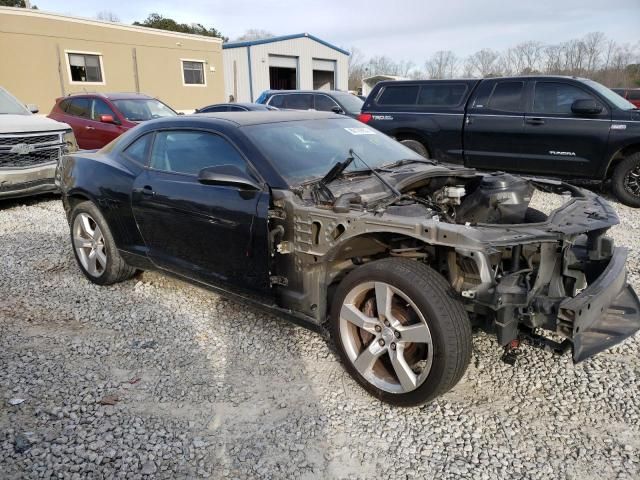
{"points": [[360, 131]]}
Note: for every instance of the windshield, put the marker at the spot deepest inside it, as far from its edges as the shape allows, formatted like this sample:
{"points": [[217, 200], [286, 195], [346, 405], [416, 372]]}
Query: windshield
{"points": [[138, 110], [351, 103], [9, 105], [305, 150], [610, 95]]}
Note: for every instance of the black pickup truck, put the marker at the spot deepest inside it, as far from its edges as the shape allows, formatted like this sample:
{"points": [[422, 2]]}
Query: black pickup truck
{"points": [[555, 126]]}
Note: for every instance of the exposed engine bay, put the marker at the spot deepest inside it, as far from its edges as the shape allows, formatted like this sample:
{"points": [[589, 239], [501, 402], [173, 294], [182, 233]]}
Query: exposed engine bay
{"points": [[555, 282], [456, 196]]}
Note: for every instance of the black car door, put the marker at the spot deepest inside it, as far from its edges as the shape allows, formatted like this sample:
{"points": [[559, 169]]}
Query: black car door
{"points": [[494, 125], [558, 141], [212, 233]]}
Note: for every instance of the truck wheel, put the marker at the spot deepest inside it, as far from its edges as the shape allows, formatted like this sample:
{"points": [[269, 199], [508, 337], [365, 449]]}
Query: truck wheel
{"points": [[416, 146], [94, 247], [399, 331], [625, 180]]}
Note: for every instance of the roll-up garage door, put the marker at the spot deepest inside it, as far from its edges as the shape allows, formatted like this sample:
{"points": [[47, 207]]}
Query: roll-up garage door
{"points": [[325, 65], [283, 62]]}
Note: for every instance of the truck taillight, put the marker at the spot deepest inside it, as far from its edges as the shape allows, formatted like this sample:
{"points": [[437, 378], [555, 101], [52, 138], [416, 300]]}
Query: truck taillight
{"points": [[365, 117]]}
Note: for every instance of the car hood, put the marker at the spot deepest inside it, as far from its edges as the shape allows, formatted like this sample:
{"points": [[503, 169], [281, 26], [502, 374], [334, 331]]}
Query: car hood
{"points": [[29, 124]]}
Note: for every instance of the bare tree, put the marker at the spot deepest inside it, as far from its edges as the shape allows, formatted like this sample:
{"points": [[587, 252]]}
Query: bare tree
{"points": [[442, 64], [108, 16], [483, 63], [356, 68], [254, 34], [593, 45]]}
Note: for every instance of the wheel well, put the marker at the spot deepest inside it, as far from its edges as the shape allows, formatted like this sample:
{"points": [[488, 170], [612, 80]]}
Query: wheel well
{"points": [[70, 202], [619, 156]]}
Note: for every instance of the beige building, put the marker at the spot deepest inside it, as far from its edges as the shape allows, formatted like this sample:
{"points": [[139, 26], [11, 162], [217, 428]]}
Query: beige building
{"points": [[44, 56]]}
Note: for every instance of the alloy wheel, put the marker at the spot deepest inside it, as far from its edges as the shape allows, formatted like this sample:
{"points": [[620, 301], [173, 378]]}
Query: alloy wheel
{"points": [[88, 241], [386, 337], [632, 181]]}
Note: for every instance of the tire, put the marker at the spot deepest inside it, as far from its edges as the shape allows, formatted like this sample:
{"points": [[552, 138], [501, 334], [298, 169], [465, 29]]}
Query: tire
{"points": [[416, 146], [625, 181], [533, 215], [423, 309], [94, 247]]}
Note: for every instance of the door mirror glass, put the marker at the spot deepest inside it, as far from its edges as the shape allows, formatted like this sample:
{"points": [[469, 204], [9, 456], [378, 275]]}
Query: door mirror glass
{"points": [[337, 110], [33, 108], [586, 106], [107, 119], [228, 175]]}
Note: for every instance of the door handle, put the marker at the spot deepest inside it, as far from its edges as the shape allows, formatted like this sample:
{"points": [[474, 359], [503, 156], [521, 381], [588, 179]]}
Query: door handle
{"points": [[146, 190], [468, 120], [89, 128], [535, 121]]}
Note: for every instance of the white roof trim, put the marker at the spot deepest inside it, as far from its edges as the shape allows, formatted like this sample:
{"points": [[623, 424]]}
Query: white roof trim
{"points": [[99, 23]]}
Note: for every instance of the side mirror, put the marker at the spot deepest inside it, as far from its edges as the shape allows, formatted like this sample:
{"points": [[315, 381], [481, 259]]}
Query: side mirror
{"points": [[33, 108], [337, 110], [586, 106], [107, 119], [228, 175], [182, 113]]}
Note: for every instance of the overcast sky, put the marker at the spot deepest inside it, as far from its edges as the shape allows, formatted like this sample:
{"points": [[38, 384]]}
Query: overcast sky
{"points": [[402, 29]]}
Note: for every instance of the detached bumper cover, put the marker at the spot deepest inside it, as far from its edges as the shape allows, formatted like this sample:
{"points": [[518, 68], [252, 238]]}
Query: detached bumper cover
{"points": [[27, 181], [605, 313]]}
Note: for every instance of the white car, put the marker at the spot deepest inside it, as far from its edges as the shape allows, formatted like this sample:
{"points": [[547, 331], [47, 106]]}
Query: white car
{"points": [[30, 147]]}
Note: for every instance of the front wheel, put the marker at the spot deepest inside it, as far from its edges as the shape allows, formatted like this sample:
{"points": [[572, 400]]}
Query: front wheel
{"points": [[625, 181], [399, 331]]}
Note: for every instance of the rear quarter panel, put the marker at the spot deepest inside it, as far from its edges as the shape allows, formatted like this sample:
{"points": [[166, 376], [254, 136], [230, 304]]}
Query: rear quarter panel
{"points": [[107, 183], [438, 128]]}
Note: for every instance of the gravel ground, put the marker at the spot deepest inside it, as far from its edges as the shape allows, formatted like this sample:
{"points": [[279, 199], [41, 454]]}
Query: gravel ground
{"points": [[154, 378]]}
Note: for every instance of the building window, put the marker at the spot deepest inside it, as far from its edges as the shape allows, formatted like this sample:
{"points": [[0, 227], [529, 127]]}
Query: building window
{"points": [[193, 72], [85, 67]]}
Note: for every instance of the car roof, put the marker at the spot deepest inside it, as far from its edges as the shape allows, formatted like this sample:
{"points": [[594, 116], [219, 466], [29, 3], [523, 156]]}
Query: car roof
{"points": [[327, 92], [257, 106], [111, 96], [256, 118], [515, 77]]}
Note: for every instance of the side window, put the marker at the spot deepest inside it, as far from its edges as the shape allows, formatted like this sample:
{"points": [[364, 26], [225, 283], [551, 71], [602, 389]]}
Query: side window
{"points": [[556, 97], [507, 97], [277, 101], [64, 105], [234, 108], [298, 101], [189, 152], [218, 108], [633, 95], [138, 151], [80, 107], [100, 107], [324, 103], [399, 95], [442, 95]]}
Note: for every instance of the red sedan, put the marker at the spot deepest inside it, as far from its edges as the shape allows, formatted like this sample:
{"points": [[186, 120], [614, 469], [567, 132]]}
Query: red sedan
{"points": [[98, 118]]}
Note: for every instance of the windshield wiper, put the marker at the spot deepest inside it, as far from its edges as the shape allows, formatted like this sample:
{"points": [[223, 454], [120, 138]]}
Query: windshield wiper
{"points": [[406, 161], [321, 191], [383, 180]]}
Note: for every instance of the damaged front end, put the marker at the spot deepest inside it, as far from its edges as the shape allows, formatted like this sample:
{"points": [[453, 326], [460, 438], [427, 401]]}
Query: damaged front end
{"points": [[555, 282]]}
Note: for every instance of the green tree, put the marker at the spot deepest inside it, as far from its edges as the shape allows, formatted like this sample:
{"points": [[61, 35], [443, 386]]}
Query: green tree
{"points": [[17, 3], [155, 20]]}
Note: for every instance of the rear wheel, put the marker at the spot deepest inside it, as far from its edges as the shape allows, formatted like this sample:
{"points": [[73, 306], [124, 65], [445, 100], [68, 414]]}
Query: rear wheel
{"points": [[416, 146], [625, 181], [94, 247], [399, 331]]}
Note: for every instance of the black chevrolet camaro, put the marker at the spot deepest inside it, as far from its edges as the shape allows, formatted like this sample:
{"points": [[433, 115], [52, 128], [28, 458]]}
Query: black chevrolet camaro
{"points": [[337, 227]]}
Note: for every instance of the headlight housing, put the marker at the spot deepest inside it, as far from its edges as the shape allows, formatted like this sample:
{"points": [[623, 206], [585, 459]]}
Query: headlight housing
{"points": [[69, 142]]}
